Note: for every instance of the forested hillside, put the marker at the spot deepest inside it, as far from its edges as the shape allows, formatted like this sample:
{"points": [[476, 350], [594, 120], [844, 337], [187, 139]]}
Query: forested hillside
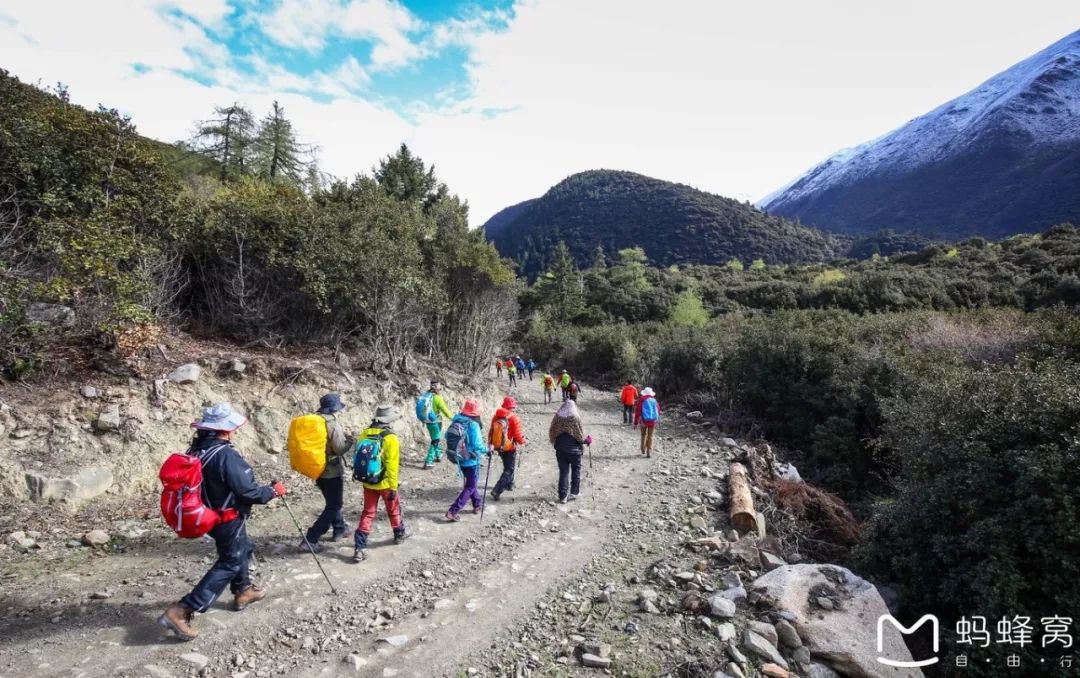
{"points": [[107, 239], [605, 211], [936, 392]]}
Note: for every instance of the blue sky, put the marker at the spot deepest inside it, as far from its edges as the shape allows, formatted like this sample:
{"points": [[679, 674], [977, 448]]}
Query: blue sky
{"points": [[507, 97]]}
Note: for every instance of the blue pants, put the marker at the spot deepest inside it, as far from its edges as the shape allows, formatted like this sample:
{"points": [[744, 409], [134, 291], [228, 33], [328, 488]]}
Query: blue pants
{"points": [[231, 569], [333, 491], [506, 480], [569, 473]]}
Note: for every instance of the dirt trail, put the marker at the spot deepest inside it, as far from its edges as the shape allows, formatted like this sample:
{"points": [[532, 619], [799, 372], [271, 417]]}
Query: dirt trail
{"points": [[451, 590]]}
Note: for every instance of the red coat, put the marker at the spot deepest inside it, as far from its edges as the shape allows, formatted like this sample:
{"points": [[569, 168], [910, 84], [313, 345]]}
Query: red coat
{"points": [[628, 396], [514, 426]]}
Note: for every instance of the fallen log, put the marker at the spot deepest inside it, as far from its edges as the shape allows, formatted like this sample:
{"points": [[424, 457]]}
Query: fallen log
{"points": [[743, 515]]}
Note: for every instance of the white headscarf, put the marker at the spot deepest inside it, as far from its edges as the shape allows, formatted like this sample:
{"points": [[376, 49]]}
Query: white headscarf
{"points": [[568, 410]]}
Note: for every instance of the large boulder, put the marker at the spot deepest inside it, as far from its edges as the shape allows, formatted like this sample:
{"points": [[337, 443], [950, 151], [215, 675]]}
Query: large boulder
{"points": [[185, 374], [844, 637], [51, 315], [86, 484]]}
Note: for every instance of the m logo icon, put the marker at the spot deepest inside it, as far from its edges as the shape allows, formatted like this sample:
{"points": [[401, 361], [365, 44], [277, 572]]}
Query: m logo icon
{"points": [[907, 631]]}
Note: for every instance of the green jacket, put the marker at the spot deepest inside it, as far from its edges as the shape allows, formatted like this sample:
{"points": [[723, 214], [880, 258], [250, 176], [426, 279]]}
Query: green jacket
{"points": [[438, 406]]}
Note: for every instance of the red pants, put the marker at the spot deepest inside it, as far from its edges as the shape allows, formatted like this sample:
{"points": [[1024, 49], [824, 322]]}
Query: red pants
{"points": [[371, 507]]}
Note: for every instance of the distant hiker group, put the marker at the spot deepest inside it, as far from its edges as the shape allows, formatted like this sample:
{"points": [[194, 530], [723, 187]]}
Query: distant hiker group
{"points": [[208, 491]]}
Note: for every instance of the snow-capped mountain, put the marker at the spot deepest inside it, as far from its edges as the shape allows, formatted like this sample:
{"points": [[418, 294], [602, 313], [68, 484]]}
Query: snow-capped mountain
{"points": [[1000, 159]]}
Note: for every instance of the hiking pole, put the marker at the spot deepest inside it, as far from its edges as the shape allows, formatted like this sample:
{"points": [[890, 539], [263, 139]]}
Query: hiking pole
{"points": [[487, 478], [307, 543]]}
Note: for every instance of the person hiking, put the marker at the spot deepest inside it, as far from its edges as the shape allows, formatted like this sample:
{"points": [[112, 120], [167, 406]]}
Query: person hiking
{"points": [[564, 383], [647, 413], [465, 445], [505, 436], [628, 398], [332, 481], [548, 382], [430, 410], [531, 367], [567, 435], [386, 489], [228, 483], [498, 367], [520, 365], [511, 371]]}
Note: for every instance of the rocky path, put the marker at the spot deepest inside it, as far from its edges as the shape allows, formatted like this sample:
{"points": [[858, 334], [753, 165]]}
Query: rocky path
{"points": [[449, 601]]}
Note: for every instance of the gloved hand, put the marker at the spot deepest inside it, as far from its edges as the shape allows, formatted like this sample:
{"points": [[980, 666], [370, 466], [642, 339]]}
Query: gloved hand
{"points": [[588, 440], [391, 495], [279, 488]]}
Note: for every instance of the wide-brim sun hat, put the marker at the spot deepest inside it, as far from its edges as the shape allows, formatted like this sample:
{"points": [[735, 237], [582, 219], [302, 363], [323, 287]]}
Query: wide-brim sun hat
{"points": [[648, 391], [472, 408], [509, 403], [386, 414], [220, 417]]}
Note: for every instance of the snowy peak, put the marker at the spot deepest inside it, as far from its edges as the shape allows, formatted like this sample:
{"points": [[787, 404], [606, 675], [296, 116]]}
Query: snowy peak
{"points": [[1031, 110]]}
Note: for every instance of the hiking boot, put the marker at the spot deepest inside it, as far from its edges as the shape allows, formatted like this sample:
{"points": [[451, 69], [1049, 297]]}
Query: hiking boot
{"points": [[495, 495], [452, 517], [562, 500], [401, 536], [338, 536], [177, 618], [572, 497], [358, 555], [427, 465], [251, 594], [315, 546], [476, 509]]}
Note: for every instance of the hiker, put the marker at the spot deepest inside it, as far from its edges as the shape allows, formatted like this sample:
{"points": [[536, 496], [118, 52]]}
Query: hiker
{"points": [[531, 367], [378, 451], [567, 435], [465, 446], [228, 483], [520, 365], [332, 481], [564, 383], [647, 413], [548, 382], [504, 436], [430, 409], [511, 371], [498, 367], [628, 398]]}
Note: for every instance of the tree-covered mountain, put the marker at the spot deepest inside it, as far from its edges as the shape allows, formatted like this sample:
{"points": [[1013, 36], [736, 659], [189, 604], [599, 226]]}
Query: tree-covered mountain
{"points": [[999, 160], [673, 223]]}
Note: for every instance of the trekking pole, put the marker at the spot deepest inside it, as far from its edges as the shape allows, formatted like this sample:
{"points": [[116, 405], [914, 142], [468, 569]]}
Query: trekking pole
{"points": [[307, 543], [487, 478]]}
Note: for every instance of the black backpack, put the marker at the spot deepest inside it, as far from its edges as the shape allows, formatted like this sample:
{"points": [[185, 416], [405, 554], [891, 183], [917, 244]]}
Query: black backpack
{"points": [[456, 449]]}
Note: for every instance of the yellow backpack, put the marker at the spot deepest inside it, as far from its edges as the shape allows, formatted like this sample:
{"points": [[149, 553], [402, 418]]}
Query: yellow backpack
{"points": [[307, 445]]}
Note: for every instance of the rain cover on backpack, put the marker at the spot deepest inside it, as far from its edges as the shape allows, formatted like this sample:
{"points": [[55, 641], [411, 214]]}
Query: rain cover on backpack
{"points": [[307, 445], [649, 410], [425, 408]]}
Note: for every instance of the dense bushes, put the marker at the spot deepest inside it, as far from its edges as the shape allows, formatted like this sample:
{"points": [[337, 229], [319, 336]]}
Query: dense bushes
{"points": [[132, 234]]}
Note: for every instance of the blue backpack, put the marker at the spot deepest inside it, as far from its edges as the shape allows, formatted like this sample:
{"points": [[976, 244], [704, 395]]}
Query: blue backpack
{"points": [[649, 411], [368, 459], [425, 410], [457, 449]]}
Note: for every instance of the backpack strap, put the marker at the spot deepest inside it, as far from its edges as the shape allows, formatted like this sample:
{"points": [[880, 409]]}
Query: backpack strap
{"points": [[205, 456]]}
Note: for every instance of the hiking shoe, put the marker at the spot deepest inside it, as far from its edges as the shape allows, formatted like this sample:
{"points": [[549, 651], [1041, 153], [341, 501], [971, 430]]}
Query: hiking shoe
{"points": [[572, 497], [477, 509], [452, 517], [402, 536], [494, 495], [338, 536], [251, 594], [315, 546], [427, 465], [177, 618], [562, 500], [358, 555]]}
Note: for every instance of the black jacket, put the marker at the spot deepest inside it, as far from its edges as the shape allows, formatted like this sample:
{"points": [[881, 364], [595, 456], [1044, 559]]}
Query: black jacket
{"points": [[226, 473], [566, 444]]}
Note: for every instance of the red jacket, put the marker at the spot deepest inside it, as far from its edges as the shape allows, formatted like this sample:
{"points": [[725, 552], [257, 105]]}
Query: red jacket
{"points": [[516, 434], [637, 413], [628, 396]]}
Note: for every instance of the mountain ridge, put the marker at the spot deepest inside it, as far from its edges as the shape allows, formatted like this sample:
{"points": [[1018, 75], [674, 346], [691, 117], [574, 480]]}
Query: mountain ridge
{"points": [[1007, 151], [674, 224]]}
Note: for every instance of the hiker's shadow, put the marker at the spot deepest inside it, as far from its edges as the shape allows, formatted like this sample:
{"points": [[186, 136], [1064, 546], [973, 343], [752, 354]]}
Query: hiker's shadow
{"points": [[138, 621]]}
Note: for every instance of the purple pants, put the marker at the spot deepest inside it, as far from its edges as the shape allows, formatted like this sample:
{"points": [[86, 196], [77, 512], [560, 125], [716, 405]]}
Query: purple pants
{"points": [[472, 476]]}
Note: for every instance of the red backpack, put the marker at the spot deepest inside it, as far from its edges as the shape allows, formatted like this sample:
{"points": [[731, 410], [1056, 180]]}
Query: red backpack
{"points": [[182, 504]]}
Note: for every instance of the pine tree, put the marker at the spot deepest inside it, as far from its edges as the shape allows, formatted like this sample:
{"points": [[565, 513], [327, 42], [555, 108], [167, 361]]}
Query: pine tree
{"points": [[280, 155], [404, 176], [228, 139], [564, 285]]}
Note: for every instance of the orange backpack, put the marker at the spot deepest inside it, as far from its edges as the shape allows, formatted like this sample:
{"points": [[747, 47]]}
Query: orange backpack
{"points": [[500, 435]]}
